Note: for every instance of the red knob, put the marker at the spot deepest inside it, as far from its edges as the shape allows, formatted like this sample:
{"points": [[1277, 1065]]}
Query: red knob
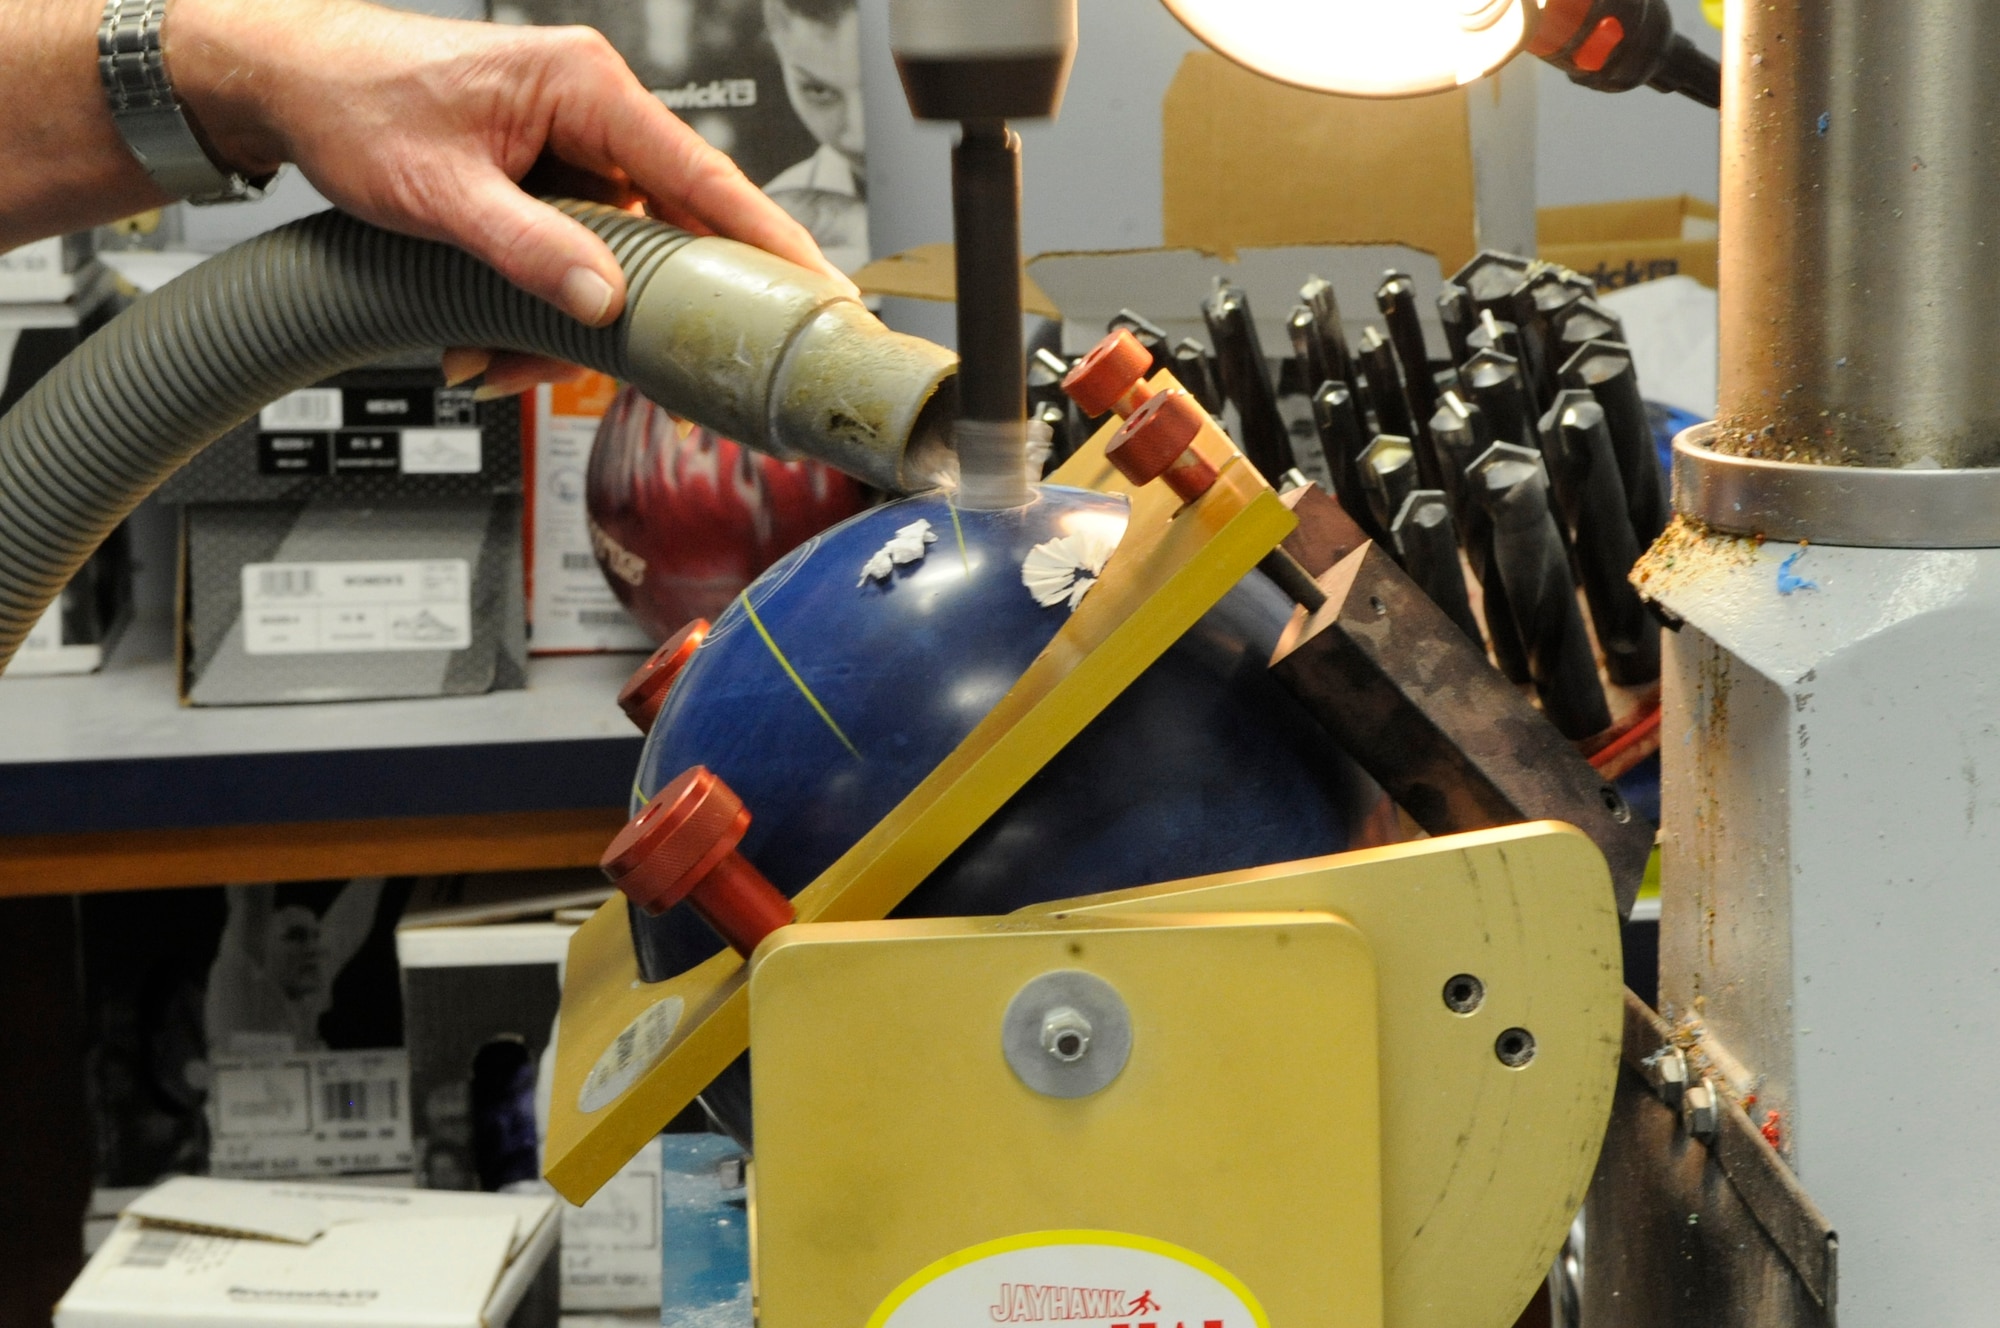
{"points": [[1156, 443], [1112, 377], [646, 690], [682, 845]]}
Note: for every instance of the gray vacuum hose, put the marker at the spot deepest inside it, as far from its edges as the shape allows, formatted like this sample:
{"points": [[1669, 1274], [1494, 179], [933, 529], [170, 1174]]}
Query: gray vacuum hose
{"points": [[749, 345]]}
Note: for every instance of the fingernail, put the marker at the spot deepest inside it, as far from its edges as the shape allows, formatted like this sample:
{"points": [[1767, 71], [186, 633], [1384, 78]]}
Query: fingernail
{"points": [[498, 391], [462, 366], [586, 296]]}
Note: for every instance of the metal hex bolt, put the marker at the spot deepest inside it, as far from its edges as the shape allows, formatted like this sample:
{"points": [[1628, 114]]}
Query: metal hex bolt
{"points": [[1701, 1111], [1066, 1034], [1667, 1071]]}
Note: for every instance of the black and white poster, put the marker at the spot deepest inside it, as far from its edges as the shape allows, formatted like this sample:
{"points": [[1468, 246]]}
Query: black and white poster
{"points": [[774, 83]]}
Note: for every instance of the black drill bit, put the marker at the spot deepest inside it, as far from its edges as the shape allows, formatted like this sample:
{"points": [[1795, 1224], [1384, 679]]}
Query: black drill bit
{"points": [[1397, 299], [1147, 333], [1384, 386], [1492, 332], [1428, 549], [1604, 369], [1317, 295], [1538, 302], [1195, 369], [1389, 473], [1246, 381], [1309, 352], [1491, 278], [1531, 562], [1342, 439], [1594, 498], [1462, 436], [1581, 323], [1455, 311]]}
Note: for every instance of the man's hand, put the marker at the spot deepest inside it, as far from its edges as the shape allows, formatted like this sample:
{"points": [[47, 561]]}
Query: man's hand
{"points": [[426, 126]]}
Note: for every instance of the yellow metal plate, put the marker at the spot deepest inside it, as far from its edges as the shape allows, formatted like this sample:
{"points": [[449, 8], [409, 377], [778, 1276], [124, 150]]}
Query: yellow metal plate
{"points": [[1482, 1166], [637, 1058], [892, 1136]]}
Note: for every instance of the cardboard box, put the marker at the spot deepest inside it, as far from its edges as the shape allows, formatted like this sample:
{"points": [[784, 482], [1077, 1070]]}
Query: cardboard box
{"points": [[358, 540], [1624, 244], [51, 270], [1249, 161], [272, 1255], [571, 610], [480, 1019]]}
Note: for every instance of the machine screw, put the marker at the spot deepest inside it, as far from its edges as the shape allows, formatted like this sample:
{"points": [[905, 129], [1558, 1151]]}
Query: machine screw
{"points": [[1515, 1048], [1066, 1034], [1701, 1111], [1464, 994], [1667, 1071]]}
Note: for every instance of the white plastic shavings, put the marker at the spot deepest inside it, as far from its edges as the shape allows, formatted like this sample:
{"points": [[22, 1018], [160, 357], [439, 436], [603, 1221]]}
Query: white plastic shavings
{"points": [[1066, 568], [907, 546]]}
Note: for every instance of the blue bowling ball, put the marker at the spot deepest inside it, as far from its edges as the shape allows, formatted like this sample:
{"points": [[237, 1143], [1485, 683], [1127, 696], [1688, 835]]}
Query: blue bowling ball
{"points": [[824, 695]]}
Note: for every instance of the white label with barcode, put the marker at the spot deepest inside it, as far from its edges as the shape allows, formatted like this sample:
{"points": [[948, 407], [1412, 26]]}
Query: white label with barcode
{"points": [[342, 608], [309, 408], [319, 1113]]}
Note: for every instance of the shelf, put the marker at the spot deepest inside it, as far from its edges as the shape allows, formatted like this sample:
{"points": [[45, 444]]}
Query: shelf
{"points": [[116, 751]]}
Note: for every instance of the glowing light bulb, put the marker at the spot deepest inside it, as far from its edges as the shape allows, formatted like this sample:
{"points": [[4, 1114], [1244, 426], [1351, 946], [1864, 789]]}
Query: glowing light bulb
{"points": [[1363, 48]]}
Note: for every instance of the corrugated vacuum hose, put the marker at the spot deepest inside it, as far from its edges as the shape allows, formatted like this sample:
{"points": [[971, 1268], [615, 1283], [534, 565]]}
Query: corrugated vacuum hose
{"points": [[726, 335]]}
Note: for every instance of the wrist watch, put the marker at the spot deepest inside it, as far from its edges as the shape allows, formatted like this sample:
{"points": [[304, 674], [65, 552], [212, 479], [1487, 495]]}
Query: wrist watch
{"points": [[133, 68]]}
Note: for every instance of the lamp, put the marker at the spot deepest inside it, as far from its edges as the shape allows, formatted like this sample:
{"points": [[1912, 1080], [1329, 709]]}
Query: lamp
{"points": [[1404, 48]]}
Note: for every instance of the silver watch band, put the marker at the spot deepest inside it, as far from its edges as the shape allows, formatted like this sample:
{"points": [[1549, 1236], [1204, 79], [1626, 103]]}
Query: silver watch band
{"points": [[133, 68]]}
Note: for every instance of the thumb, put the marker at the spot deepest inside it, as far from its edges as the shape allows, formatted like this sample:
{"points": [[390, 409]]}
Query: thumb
{"points": [[539, 249]]}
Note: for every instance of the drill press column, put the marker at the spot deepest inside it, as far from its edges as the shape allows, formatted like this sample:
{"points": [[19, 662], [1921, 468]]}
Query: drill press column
{"points": [[1832, 725]]}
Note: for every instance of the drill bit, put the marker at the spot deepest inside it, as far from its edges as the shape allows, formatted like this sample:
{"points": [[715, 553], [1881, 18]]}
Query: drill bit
{"points": [[1389, 473], [1492, 332], [1308, 350], [1606, 548], [1146, 332], [1196, 372], [1246, 380], [1491, 278], [1317, 295], [1342, 439], [1605, 370], [1496, 382], [1538, 302], [1384, 386], [1396, 297], [1462, 436], [1535, 570], [1583, 322], [1455, 311], [1428, 549], [1054, 417], [1046, 370]]}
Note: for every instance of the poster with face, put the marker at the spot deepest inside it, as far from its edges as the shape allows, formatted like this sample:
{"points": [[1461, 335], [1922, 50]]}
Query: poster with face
{"points": [[774, 83]]}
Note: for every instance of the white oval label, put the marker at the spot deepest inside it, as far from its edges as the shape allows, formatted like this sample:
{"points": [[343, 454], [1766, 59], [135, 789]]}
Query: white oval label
{"points": [[630, 1054], [1106, 1278]]}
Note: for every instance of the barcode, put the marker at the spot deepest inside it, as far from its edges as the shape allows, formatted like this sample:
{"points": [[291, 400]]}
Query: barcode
{"points": [[602, 617], [361, 1100], [278, 582], [578, 562], [154, 1247], [314, 408]]}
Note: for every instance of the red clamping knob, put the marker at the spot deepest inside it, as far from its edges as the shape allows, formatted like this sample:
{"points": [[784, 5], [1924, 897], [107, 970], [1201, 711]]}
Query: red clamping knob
{"points": [[1156, 443], [646, 690], [683, 846], [1112, 377]]}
